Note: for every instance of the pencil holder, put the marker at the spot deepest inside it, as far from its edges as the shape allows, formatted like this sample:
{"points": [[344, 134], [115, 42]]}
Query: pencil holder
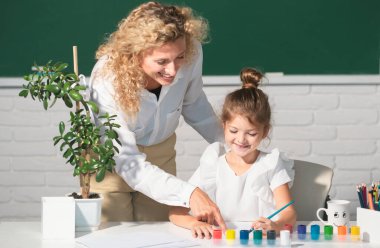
{"points": [[368, 220]]}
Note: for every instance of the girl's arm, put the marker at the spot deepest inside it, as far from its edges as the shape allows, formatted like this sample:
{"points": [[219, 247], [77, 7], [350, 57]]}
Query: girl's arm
{"points": [[287, 216], [180, 216]]}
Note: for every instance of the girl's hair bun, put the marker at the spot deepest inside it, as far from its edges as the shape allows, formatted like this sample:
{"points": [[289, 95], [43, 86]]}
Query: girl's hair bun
{"points": [[250, 77]]}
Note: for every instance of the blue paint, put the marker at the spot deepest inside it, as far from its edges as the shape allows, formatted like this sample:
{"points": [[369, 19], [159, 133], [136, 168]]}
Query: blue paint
{"points": [[257, 237], [301, 231], [315, 232]]}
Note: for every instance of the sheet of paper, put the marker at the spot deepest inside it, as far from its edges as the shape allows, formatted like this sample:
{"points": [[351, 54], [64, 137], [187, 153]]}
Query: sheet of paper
{"points": [[118, 237]]}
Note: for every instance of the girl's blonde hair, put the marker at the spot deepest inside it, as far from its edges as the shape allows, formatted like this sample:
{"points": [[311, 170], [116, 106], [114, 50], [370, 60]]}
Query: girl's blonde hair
{"points": [[249, 101], [150, 25]]}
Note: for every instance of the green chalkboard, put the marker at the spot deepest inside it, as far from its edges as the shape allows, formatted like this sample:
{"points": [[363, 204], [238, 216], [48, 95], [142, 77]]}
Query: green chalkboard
{"points": [[289, 36]]}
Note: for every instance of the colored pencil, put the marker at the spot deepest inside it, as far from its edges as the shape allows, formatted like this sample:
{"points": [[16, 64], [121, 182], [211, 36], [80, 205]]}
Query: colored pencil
{"points": [[277, 212], [370, 201], [360, 197]]}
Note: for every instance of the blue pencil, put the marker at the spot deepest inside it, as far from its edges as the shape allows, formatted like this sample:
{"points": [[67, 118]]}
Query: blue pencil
{"points": [[278, 211]]}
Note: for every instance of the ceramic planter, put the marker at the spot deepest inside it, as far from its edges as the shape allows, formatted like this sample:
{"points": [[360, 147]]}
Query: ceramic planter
{"points": [[88, 214]]}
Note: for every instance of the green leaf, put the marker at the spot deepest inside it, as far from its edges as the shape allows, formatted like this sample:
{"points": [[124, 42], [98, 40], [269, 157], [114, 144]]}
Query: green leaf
{"points": [[93, 106], [68, 153], [53, 88], [112, 134], [61, 67], [67, 101], [76, 171], [72, 76], [54, 101], [116, 149], [57, 139], [62, 146], [100, 174], [80, 87], [61, 127], [45, 102], [23, 93], [109, 144], [66, 87], [83, 169], [96, 149], [75, 95], [69, 136]]}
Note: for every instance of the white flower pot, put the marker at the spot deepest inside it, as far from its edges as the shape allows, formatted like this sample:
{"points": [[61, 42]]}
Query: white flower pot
{"points": [[88, 214]]}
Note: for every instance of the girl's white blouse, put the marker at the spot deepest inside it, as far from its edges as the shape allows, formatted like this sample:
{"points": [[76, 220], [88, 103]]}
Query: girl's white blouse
{"points": [[248, 196]]}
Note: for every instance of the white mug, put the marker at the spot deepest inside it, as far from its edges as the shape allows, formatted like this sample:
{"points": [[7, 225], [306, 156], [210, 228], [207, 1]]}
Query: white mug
{"points": [[338, 213]]}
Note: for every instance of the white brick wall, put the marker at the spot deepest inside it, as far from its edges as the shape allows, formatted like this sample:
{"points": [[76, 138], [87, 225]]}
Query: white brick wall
{"points": [[332, 120]]}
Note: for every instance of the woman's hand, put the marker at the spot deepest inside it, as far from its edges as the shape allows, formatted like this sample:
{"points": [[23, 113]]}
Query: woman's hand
{"points": [[205, 210], [201, 230], [265, 224]]}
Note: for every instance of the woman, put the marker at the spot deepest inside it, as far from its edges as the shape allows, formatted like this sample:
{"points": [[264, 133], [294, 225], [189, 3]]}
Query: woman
{"points": [[148, 73]]}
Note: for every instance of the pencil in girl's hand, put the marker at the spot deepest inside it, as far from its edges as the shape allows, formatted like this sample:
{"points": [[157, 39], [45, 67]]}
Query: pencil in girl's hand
{"points": [[278, 211]]}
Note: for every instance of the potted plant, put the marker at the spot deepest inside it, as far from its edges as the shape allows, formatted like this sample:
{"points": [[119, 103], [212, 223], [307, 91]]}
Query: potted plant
{"points": [[87, 145]]}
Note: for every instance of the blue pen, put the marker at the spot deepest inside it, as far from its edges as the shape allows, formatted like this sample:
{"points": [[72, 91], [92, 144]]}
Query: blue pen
{"points": [[278, 211]]}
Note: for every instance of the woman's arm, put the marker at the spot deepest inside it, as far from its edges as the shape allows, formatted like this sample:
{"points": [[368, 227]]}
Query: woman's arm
{"points": [[180, 216], [282, 197]]}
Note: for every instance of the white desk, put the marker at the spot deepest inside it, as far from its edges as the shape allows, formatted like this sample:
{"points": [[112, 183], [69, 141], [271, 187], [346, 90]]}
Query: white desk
{"points": [[28, 234]]}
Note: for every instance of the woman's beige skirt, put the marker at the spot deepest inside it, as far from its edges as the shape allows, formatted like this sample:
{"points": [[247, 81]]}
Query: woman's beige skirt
{"points": [[122, 203]]}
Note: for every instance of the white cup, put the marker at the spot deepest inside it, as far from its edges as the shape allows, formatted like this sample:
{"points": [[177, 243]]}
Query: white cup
{"points": [[338, 213]]}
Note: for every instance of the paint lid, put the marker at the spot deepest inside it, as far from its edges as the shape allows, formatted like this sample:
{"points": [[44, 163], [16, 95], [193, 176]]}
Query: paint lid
{"points": [[217, 234], [230, 234], [355, 230], [285, 237], [328, 230], [301, 229], [257, 234], [315, 229], [288, 227], [271, 234], [244, 234], [342, 230]]}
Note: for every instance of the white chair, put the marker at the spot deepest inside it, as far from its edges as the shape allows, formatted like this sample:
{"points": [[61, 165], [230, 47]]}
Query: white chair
{"points": [[310, 188]]}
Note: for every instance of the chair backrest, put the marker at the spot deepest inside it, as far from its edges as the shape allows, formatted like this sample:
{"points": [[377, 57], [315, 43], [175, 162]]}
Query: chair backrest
{"points": [[310, 188]]}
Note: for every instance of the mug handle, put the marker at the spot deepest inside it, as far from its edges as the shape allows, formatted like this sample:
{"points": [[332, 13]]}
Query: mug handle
{"points": [[318, 211]]}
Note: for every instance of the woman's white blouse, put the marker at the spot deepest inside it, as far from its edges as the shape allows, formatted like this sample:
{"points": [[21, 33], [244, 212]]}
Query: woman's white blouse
{"points": [[248, 196], [154, 123]]}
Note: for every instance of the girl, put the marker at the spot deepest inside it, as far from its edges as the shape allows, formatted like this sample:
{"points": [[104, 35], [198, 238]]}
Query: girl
{"points": [[149, 73], [246, 183]]}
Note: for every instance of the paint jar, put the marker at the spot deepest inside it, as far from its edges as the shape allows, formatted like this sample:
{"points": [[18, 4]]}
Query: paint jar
{"points": [[315, 231], [288, 227], [217, 236], [244, 237], [257, 237], [301, 232], [230, 236], [328, 232], [342, 233], [271, 237], [355, 233], [285, 238]]}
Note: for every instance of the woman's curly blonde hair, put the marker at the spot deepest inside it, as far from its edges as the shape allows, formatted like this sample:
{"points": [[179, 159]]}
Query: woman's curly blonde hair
{"points": [[150, 25]]}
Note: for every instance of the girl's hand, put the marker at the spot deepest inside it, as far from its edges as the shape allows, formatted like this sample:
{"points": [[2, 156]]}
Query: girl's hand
{"points": [[265, 224], [201, 230]]}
